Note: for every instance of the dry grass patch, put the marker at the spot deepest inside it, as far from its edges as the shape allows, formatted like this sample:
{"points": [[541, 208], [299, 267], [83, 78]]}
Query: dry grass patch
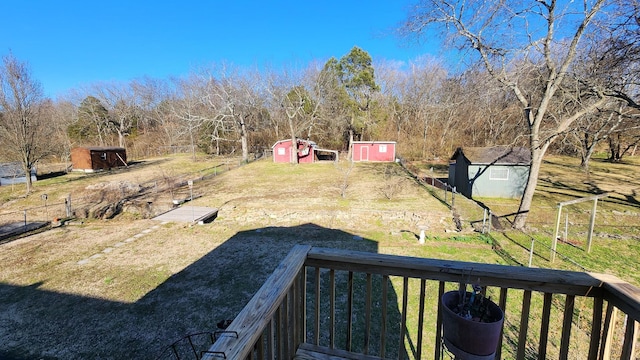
{"points": [[125, 288]]}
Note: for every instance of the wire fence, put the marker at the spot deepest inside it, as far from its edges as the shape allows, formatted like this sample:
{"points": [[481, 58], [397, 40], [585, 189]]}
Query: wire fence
{"points": [[81, 206], [495, 220]]}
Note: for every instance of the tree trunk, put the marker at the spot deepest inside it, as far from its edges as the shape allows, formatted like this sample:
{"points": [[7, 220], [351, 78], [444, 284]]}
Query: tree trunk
{"points": [[243, 141], [349, 152], [294, 150], [29, 183], [527, 198]]}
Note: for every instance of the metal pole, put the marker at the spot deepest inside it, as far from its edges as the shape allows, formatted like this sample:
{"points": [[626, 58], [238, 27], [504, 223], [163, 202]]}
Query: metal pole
{"points": [[25, 218], [566, 226], [592, 223], [554, 244], [193, 215], [531, 252], [489, 227]]}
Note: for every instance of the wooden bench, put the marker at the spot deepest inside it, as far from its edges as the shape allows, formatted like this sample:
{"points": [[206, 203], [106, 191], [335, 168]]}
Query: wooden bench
{"points": [[314, 352]]}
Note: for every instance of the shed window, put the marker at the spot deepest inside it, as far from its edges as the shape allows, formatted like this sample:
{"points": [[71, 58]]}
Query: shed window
{"points": [[280, 151], [103, 156], [383, 148], [499, 173]]}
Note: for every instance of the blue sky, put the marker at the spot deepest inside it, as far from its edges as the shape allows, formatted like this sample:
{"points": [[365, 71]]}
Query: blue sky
{"points": [[68, 44]]}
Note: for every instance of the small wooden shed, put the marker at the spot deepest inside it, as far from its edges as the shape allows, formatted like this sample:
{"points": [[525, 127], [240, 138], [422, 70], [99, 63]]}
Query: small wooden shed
{"points": [[282, 151], [378, 151], [13, 173], [90, 159], [308, 152], [497, 171]]}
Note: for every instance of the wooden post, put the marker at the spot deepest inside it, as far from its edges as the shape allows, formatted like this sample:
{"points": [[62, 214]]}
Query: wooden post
{"points": [[531, 251], [592, 223], [453, 197], [67, 205], [484, 221], [554, 242]]}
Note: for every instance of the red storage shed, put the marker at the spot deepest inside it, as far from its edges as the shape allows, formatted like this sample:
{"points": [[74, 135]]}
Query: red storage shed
{"points": [[378, 151], [282, 151], [90, 159]]}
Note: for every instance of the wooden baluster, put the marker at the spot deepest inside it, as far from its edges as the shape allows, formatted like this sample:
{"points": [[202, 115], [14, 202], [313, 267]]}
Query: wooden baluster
{"points": [[596, 328], [332, 309], [629, 345], [317, 308], [367, 312], [383, 317], [544, 326], [423, 286], [524, 324], [502, 302], [438, 347], [608, 330], [349, 311], [403, 325], [566, 326]]}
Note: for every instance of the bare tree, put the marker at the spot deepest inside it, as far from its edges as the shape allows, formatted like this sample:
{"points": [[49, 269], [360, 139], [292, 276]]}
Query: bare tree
{"points": [[187, 106], [238, 98], [516, 40], [23, 129], [121, 102], [156, 111], [291, 100]]}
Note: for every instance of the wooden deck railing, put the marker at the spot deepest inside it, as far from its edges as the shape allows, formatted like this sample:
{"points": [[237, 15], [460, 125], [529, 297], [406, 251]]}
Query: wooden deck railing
{"points": [[388, 306]]}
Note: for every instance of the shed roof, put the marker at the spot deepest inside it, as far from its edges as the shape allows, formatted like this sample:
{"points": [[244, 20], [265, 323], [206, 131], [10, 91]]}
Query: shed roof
{"points": [[102, 148], [497, 155], [300, 141], [373, 142]]}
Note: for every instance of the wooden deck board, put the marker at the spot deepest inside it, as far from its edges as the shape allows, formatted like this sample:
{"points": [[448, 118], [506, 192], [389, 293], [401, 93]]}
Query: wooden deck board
{"points": [[314, 352]]}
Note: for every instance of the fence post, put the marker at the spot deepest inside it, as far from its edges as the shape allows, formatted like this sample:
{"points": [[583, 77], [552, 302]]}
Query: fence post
{"points": [[25, 218], [592, 222], [484, 220], [554, 244], [453, 197], [531, 251], [67, 205]]}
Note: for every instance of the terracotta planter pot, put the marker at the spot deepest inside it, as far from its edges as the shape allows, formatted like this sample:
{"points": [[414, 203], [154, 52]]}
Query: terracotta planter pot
{"points": [[472, 337]]}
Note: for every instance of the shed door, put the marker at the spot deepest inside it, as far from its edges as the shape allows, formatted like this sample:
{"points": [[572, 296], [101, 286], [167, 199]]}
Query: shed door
{"points": [[364, 153]]}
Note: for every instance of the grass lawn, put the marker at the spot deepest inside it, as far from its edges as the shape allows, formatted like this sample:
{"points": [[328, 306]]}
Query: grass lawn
{"points": [[129, 286]]}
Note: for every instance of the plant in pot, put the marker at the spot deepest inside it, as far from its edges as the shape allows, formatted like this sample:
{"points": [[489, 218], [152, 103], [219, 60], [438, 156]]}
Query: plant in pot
{"points": [[472, 323]]}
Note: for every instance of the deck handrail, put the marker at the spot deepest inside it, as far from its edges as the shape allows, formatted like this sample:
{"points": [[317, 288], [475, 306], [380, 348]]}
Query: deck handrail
{"points": [[534, 279], [261, 312], [246, 329]]}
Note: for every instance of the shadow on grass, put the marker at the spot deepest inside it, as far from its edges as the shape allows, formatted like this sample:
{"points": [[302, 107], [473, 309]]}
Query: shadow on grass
{"points": [[43, 324]]}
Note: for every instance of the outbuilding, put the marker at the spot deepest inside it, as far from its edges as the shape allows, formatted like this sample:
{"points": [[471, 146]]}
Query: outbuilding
{"points": [[90, 159], [377, 151], [497, 171], [13, 173], [308, 152]]}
